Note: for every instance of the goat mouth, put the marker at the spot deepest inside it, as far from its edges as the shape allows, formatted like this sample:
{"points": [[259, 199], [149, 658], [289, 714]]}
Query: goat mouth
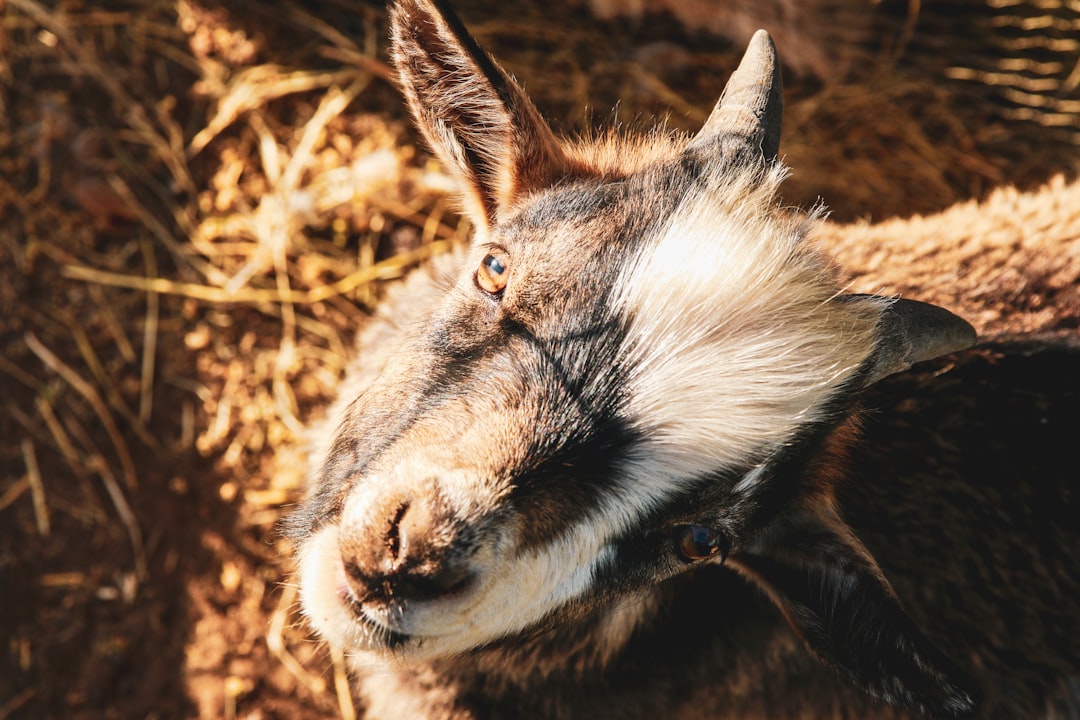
{"points": [[389, 639], [385, 636], [376, 631]]}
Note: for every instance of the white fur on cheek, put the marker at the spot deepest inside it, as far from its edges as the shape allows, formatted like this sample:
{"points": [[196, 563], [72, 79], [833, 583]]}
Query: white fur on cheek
{"points": [[319, 573], [732, 340]]}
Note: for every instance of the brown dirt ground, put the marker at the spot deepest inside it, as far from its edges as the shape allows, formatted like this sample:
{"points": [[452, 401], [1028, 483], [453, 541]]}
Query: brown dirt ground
{"points": [[198, 202]]}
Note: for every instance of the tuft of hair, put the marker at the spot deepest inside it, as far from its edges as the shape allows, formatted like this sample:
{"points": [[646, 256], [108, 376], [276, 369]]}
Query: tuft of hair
{"points": [[730, 307]]}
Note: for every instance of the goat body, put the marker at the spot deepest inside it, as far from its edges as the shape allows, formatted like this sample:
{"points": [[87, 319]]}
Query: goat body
{"points": [[592, 466]]}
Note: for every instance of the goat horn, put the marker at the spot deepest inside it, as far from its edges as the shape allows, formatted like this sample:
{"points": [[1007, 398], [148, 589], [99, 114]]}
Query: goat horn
{"points": [[910, 331], [750, 108]]}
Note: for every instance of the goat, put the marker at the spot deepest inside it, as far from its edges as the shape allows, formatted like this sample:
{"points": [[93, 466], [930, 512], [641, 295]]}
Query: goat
{"points": [[594, 464]]}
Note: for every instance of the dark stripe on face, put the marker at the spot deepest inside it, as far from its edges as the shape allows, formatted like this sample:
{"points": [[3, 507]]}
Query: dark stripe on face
{"points": [[644, 556], [578, 438], [580, 435], [571, 382], [374, 422], [789, 474], [583, 438]]}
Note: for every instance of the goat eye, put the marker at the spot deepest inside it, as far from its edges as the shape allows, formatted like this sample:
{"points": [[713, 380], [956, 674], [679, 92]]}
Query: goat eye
{"points": [[493, 273], [694, 543]]}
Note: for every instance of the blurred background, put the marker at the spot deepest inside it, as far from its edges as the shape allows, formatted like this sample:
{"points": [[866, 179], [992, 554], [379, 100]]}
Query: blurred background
{"points": [[201, 202]]}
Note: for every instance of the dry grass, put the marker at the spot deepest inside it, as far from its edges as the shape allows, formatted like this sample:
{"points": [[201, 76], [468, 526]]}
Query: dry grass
{"points": [[192, 232], [198, 205]]}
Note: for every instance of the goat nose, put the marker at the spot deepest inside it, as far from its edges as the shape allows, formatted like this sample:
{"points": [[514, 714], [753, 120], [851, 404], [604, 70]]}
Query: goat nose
{"points": [[410, 556]]}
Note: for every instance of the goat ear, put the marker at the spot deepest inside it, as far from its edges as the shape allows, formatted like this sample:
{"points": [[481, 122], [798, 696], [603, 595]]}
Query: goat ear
{"points": [[477, 119], [836, 599], [745, 124], [909, 331]]}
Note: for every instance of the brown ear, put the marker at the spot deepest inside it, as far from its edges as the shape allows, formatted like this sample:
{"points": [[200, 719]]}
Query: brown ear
{"points": [[836, 599], [477, 119]]}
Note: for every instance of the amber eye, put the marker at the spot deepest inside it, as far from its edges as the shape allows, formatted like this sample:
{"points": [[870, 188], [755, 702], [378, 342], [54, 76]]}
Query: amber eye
{"points": [[694, 543], [493, 272]]}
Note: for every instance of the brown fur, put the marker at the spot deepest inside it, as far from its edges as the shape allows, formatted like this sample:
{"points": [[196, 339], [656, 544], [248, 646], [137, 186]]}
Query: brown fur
{"points": [[1009, 264], [428, 496]]}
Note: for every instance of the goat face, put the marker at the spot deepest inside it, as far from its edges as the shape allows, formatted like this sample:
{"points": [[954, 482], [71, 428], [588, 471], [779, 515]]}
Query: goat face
{"points": [[633, 374]]}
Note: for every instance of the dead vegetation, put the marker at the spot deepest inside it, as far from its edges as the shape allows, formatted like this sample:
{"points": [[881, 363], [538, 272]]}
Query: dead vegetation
{"points": [[198, 205]]}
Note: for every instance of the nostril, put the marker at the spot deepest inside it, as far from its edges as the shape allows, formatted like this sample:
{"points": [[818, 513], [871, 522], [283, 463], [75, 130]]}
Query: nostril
{"points": [[353, 571], [358, 584], [407, 584], [395, 534], [447, 581]]}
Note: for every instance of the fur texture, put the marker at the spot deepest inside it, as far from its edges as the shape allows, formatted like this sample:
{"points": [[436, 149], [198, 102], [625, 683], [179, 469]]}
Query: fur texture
{"points": [[613, 485]]}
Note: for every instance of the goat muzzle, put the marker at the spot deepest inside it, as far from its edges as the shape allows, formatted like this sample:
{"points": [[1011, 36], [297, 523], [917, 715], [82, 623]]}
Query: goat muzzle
{"points": [[401, 550]]}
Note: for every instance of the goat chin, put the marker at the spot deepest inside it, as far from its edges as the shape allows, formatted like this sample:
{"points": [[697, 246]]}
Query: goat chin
{"points": [[612, 459]]}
